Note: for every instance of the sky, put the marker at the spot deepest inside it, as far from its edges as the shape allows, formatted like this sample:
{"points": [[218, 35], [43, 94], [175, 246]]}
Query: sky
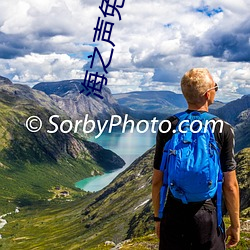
{"points": [[156, 42]]}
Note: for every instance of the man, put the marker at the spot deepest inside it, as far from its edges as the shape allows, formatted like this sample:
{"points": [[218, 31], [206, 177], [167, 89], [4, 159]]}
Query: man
{"points": [[194, 225]]}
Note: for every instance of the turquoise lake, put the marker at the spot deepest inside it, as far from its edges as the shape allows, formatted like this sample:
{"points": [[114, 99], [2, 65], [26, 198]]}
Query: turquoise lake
{"points": [[129, 146]]}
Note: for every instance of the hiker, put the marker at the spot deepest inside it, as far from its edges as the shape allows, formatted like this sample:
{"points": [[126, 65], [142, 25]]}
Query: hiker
{"points": [[188, 224]]}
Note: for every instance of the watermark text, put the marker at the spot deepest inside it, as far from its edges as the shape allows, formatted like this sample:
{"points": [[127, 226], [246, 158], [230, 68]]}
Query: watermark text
{"points": [[87, 125]]}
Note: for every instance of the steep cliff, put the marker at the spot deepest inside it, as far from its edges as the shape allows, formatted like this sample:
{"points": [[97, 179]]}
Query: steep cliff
{"points": [[67, 97]]}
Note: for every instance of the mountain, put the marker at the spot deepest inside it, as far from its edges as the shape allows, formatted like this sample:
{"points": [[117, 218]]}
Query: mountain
{"points": [[138, 105], [32, 163], [124, 208], [151, 100], [237, 114], [216, 105], [232, 110], [242, 130], [67, 97], [149, 104]]}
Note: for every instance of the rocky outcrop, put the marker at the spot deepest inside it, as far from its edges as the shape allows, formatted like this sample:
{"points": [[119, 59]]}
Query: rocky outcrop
{"points": [[4, 80], [67, 97]]}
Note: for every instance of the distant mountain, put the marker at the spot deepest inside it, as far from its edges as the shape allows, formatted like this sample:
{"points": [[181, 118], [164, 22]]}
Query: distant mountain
{"points": [[138, 105], [151, 100], [242, 130], [149, 104], [216, 105], [31, 163], [232, 110], [67, 97], [237, 114]]}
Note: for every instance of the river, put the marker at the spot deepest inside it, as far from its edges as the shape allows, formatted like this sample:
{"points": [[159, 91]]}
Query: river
{"points": [[129, 146]]}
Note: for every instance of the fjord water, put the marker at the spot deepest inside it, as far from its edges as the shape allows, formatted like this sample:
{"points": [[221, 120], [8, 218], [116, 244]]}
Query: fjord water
{"points": [[129, 146]]}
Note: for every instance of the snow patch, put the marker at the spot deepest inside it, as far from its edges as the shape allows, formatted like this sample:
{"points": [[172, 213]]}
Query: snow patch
{"points": [[2, 223], [142, 204]]}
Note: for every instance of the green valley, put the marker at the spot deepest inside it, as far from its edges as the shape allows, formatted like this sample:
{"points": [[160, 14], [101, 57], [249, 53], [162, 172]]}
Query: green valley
{"points": [[120, 213]]}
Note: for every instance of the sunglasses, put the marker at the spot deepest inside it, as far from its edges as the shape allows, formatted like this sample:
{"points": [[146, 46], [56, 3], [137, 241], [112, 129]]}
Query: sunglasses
{"points": [[216, 87]]}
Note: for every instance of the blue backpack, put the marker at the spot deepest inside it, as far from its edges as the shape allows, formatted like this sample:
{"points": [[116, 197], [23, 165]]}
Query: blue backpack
{"points": [[191, 162]]}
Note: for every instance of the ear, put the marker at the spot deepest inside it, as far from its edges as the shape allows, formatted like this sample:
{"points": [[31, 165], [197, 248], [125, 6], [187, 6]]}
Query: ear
{"points": [[207, 95]]}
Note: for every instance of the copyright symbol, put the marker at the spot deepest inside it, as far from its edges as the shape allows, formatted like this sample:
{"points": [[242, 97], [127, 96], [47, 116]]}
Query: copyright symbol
{"points": [[33, 124]]}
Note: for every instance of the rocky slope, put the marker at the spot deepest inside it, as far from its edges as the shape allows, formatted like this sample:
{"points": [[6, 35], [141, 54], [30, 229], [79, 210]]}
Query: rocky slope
{"points": [[67, 97], [125, 206], [232, 110], [237, 114], [242, 130], [4, 80]]}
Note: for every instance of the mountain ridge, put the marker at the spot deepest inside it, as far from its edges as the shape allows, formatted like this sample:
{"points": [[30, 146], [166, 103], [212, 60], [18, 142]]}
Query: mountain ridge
{"points": [[66, 94]]}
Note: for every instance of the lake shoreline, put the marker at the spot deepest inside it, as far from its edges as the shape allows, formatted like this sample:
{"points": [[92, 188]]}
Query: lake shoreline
{"points": [[129, 146]]}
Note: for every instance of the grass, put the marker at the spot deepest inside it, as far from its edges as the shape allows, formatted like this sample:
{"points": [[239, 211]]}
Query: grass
{"points": [[51, 225]]}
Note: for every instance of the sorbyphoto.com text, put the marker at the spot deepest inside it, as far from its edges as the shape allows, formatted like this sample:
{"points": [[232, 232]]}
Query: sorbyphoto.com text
{"points": [[87, 126]]}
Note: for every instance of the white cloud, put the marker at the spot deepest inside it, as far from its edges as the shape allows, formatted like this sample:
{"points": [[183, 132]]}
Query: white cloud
{"points": [[35, 68], [155, 42]]}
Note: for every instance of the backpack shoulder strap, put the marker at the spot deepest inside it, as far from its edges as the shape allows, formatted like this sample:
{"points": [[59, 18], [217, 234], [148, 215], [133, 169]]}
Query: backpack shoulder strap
{"points": [[182, 115], [208, 116]]}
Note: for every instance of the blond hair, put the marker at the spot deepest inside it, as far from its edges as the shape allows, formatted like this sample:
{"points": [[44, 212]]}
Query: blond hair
{"points": [[195, 83]]}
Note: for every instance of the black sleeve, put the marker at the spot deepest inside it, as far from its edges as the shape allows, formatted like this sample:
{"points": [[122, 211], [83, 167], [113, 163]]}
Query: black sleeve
{"points": [[161, 140], [226, 142]]}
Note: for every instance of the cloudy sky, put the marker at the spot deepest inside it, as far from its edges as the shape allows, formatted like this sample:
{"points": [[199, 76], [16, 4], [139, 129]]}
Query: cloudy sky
{"points": [[156, 42]]}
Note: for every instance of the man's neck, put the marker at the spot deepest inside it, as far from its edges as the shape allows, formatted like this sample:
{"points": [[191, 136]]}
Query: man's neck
{"points": [[198, 107]]}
